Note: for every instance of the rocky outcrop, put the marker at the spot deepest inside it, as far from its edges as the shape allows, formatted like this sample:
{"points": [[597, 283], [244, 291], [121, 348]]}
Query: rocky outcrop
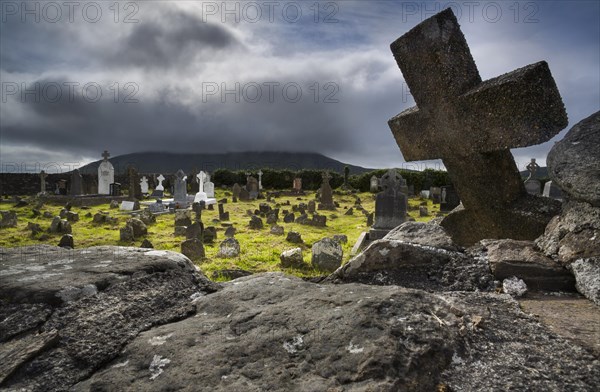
{"points": [[574, 162], [587, 274], [573, 234], [508, 258], [573, 237], [65, 313], [278, 333], [422, 233], [393, 262]]}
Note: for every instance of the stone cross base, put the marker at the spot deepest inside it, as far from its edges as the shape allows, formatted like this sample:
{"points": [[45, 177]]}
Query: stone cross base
{"points": [[524, 220], [377, 234], [326, 207]]}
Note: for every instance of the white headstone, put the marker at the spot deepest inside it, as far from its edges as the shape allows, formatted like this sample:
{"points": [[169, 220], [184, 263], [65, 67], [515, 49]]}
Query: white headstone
{"points": [[201, 195], [127, 206], [144, 184], [209, 189], [106, 175], [160, 186], [260, 173]]}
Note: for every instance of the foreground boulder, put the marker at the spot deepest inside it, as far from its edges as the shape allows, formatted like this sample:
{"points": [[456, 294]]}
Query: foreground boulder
{"points": [[572, 238], [574, 162], [64, 313], [391, 262], [251, 336]]}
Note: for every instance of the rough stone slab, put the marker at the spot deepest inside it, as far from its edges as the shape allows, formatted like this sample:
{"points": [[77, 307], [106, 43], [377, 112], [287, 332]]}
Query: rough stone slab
{"points": [[277, 333], [53, 275], [393, 262], [572, 235], [587, 275], [96, 303], [519, 258], [423, 234], [17, 352], [574, 162]]}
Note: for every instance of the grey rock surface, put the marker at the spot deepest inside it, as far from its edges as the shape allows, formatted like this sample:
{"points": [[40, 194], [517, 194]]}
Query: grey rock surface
{"points": [[574, 162], [272, 332], [587, 275], [71, 311], [509, 258], [573, 234], [393, 262], [423, 234], [292, 258], [326, 255]]}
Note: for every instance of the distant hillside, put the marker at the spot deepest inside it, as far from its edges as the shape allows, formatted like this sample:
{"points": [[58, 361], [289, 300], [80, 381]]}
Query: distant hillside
{"points": [[165, 162]]}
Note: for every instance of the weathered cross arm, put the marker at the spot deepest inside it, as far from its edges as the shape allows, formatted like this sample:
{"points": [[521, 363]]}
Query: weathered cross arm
{"points": [[518, 109]]}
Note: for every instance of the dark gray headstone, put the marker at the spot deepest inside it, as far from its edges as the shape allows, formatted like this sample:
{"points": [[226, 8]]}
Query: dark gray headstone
{"points": [[390, 205], [76, 183]]}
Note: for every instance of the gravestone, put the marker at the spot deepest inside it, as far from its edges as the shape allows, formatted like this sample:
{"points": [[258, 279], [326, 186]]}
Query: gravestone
{"points": [[553, 191], [374, 184], [390, 205], [235, 190], [106, 175], [244, 194], [115, 189], [135, 191], [436, 194], [180, 189], [43, 176], [157, 207], [76, 183], [450, 199], [209, 188], [127, 206], [297, 184], [532, 168], [471, 125], [144, 185], [194, 185], [260, 173], [159, 191], [201, 195], [326, 193], [252, 187], [533, 187], [223, 216]]}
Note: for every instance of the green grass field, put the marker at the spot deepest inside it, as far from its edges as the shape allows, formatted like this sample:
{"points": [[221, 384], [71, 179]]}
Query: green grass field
{"points": [[260, 250]]}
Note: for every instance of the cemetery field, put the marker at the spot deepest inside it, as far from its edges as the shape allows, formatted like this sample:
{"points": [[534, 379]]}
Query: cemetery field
{"points": [[260, 250]]}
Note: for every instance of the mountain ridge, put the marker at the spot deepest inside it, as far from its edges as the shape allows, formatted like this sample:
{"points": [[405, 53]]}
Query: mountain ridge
{"points": [[168, 162]]}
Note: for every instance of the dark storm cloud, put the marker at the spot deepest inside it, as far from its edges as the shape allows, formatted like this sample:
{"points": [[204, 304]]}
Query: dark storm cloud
{"points": [[75, 123], [173, 40]]}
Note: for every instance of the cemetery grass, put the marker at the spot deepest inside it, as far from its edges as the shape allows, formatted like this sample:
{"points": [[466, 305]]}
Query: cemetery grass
{"points": [[260, 250]]}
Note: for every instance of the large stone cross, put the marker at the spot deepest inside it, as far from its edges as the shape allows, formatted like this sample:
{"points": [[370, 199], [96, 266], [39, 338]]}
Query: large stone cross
{"points": [[472, 125], [105, 155]]}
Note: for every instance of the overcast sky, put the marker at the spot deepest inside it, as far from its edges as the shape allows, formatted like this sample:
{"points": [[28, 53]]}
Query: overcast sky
{"points": [[187, 76]]}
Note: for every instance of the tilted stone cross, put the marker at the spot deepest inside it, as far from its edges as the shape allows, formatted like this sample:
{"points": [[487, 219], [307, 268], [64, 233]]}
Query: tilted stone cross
{"points": [[470, 124]]}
